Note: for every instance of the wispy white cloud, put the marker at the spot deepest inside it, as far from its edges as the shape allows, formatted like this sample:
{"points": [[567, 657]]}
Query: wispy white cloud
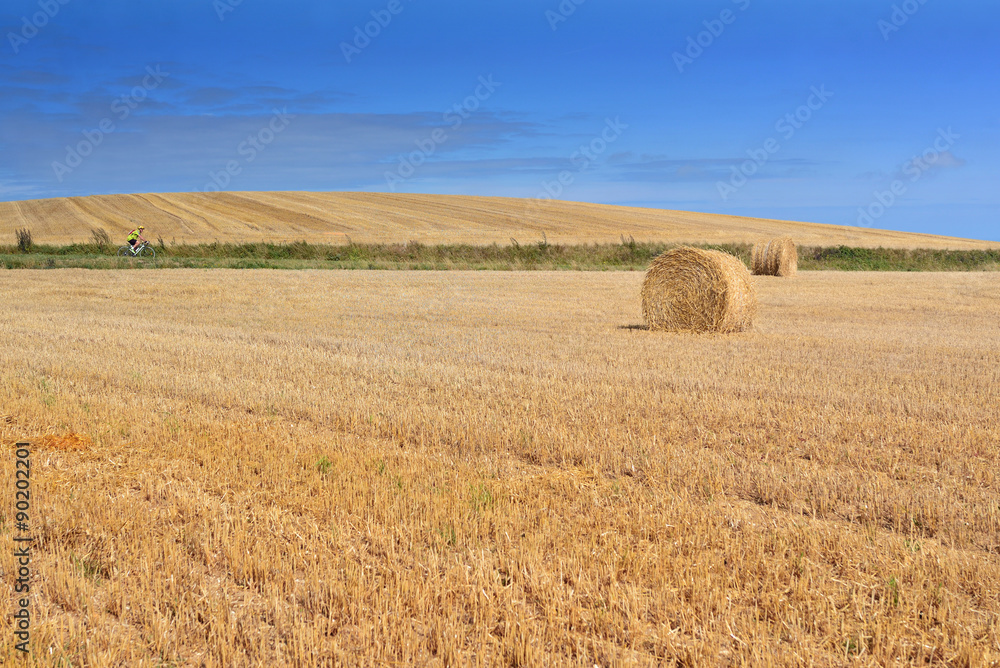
{"points": [[316, 151]]}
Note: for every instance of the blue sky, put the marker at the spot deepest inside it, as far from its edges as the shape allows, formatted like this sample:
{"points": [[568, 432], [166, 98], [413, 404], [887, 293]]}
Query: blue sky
{"points": [[848, 112]]}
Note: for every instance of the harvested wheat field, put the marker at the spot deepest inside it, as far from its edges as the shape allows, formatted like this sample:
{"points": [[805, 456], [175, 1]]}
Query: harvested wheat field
{"points": [[365, 468], [339, 217]]}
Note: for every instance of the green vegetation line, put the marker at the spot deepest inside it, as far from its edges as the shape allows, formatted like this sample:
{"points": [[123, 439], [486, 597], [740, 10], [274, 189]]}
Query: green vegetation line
{"points": [[629, 255]]}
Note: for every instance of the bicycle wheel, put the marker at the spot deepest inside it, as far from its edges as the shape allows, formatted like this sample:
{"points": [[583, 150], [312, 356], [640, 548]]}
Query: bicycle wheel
{"points": [[124, 251], [147, 252]]}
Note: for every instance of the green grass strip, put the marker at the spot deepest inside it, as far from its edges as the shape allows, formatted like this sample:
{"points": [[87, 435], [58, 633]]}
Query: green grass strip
{"points": [[626, 256]]}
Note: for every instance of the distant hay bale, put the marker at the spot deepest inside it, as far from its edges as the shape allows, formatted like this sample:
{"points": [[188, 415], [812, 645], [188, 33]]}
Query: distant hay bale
{"points": [[692, 290], [776, 257]]}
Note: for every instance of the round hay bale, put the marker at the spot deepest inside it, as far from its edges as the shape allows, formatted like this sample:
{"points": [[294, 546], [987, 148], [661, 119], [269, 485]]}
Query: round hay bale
{"points": [[775, 257], [692, 290], [758, 258]]}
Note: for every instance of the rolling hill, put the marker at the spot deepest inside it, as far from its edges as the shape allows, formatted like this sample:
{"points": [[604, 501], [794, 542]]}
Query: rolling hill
{"points": [[339, 217]]}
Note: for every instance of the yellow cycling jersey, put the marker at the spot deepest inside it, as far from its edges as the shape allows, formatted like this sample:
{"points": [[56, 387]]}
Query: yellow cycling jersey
{"points": [[133, 235]]}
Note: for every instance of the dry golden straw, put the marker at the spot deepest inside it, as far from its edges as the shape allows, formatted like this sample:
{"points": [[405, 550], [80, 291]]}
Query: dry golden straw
{"points": [[776, 257], [687, 289], [340, 218], [391, 480], [70, 441]]}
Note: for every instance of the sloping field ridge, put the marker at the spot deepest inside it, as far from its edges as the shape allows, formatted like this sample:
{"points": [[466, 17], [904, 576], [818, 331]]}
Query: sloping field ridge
{"points": [[340, 217]]}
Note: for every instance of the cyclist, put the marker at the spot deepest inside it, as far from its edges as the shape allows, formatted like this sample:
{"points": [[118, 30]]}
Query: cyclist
{"points": [[134, 237]]}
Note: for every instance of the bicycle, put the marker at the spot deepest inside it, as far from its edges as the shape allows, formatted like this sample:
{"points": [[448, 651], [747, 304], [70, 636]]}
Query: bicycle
{"points": [[143, 250]]}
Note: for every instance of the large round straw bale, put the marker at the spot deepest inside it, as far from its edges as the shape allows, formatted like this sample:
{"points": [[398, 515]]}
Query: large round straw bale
{"points": [[693, 290], [775, 257]]}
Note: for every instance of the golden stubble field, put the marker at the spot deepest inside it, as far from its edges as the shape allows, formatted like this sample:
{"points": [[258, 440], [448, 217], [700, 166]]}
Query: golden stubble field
{"points": [[364, 468], [344, 217]]}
